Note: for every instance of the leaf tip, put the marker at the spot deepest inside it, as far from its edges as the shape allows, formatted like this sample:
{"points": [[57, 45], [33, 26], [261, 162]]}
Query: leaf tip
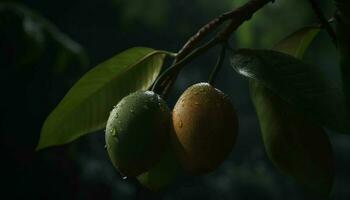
{"points": [[38, 148], [40, 145]]}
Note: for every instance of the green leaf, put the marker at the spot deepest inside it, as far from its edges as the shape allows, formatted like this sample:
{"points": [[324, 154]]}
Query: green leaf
{"points": [[296, 146], [86, 106], [301, 85], [296, 43]]}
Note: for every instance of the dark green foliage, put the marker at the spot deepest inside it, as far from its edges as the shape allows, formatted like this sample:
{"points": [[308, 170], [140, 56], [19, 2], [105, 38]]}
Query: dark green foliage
{"points": [[293, 100], [342, 28], [300, 84], [26, 36], [30, 85], [297, 147]]}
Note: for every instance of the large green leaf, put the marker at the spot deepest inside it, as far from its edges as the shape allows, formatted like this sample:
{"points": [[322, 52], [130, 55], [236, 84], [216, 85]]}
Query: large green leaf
{"points": [[298, 147], [295, 145], [301, 85], [86, 106]]}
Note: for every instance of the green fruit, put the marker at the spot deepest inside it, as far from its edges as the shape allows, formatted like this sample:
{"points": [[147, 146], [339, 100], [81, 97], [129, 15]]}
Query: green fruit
{"points": [[136, 132], [205, 128]]}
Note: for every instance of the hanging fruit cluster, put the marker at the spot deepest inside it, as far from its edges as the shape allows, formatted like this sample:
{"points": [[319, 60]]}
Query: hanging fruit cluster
{"points": [[145, 140]]}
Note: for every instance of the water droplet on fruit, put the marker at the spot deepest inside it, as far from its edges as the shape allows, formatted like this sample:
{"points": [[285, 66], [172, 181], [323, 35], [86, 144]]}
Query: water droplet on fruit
{"points": [[180, 124], [113, 132], [151, 93], [124, 177]]}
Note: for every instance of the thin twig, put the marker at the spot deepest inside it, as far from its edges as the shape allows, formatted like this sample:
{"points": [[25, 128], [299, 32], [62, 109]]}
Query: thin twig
{"points": [[218, 64], [324, 21], [206, 29]]}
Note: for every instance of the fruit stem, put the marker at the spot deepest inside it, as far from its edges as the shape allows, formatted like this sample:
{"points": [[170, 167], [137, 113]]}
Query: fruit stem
{"points": [[237, 17], [175, 68], [218, 64]]}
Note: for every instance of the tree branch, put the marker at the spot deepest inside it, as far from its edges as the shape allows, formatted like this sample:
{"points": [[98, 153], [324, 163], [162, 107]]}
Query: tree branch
{"points": [[237, 17], [168, 75]]}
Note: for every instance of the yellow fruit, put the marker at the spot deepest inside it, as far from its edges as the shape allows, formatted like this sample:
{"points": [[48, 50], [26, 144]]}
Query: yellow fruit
{"points": [[205, 128], [136, 132]]}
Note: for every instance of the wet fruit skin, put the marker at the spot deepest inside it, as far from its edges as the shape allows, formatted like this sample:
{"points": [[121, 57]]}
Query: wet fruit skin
{"points": [[136, 132], [205, 128]]}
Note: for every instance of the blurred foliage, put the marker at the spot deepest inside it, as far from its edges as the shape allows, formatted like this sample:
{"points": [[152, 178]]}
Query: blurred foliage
{"points": [[342, 28], [153, 13], [25, 35], [261, 32], [38, 64]]}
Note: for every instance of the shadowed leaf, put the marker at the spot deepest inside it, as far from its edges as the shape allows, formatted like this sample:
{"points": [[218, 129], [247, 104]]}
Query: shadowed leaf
{"points": [[301, 85], [297, 146], [342, 29]]}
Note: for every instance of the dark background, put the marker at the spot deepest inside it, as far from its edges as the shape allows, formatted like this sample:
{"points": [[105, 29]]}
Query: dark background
{"points": [[82, 170]]}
